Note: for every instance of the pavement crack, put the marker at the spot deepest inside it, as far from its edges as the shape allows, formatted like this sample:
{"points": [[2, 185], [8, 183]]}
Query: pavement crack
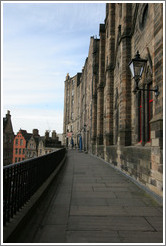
{"points": [[154, 229]]}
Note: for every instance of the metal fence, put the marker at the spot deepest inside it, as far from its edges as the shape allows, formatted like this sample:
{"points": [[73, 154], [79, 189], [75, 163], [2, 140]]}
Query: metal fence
{"points": [[21, 180]]}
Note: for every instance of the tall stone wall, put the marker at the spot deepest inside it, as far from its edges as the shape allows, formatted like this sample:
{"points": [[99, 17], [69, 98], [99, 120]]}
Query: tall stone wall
{"points": [[122, 127]]}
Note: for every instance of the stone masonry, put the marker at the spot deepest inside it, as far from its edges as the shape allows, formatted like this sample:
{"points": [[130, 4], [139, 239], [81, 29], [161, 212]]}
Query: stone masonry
{"points": [[122, 127]]}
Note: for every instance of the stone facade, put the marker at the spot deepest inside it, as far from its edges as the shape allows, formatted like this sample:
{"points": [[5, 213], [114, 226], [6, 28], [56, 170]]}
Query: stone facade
{"points": [[122, 127], [32, 145]]}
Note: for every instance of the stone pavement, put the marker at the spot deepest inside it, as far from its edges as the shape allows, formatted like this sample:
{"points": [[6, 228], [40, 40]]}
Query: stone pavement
{"points": [[91, 202]]}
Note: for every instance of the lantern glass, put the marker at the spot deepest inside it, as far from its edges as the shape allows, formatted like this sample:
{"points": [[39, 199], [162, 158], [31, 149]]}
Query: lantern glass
{"points": [[137, 66], [131, 66]]}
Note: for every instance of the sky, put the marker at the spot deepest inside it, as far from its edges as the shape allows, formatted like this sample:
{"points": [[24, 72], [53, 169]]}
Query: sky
{"points": [[42, 42]]}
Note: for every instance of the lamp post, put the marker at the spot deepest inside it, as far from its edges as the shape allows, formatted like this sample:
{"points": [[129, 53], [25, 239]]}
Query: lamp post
{"points": [[137, 66]]}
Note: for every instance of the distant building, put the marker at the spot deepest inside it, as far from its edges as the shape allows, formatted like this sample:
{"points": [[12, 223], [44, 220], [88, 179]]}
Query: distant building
{"points": [[32, 145], [20, 145], [8, 138], [48, 144]]}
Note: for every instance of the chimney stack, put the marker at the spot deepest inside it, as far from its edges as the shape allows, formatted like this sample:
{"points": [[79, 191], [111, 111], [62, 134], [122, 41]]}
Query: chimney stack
{"points": [[35, 132], [8, 116], [53, 134], [47, 135]]}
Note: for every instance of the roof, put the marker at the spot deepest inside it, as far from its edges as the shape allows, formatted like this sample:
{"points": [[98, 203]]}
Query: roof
{"points": [[26, 135]]}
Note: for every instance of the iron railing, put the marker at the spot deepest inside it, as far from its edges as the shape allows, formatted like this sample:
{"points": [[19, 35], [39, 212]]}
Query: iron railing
{"points": [[21, 180]]}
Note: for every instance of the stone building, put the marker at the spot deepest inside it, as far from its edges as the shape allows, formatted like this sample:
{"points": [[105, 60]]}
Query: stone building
{"points": [[8, 138], [100, 108], [32, 144], [48, 144]]}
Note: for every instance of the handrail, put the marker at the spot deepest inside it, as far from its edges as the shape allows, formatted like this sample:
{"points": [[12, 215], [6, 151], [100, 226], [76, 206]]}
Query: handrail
{"points": [[21, 180]]}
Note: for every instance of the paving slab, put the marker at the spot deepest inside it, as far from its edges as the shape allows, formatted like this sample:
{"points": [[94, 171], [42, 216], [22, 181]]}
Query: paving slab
{"points": [[141, 236], [98, 210], [92, 237], [111, 223], [91, 202]]}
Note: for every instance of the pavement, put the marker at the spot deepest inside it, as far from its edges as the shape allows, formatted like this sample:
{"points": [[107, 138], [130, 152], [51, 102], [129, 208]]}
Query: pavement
{"points": [[91, 202]]}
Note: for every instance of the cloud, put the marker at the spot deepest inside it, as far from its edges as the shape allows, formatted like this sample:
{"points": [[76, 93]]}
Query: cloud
{"points": [[42, 119], [42, 42]]}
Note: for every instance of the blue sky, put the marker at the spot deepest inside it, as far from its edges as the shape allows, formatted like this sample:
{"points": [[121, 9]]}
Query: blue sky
{"points": [[42, 42]]}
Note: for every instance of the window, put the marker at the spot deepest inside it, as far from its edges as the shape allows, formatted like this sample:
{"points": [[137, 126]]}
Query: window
{"points": [[19, 159], [16, 159], [21, 142], [145, 114], [143, 16], [150, 110], [16, 151], [23, 151], [19, 151], [16, 141]]}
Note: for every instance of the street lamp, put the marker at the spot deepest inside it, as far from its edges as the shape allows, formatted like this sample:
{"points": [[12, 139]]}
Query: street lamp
{"points": [[137, 66]]}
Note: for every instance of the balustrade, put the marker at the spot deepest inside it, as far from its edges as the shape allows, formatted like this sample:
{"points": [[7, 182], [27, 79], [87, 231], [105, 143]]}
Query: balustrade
{"points": [[21, 180]]}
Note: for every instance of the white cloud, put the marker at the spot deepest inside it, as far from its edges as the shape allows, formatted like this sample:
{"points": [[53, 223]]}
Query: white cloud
{"points": [[42, 43]]}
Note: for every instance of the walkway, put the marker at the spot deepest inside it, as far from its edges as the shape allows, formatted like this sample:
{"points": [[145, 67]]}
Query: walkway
{"points": [[93, 203]]}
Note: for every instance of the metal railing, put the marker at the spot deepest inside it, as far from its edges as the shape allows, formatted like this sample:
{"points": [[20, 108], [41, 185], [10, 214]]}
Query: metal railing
{"points": [[21, 180]]}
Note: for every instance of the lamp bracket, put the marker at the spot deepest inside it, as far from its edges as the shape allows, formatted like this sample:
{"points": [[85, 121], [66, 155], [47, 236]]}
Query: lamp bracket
{"points": [[155, 90]]}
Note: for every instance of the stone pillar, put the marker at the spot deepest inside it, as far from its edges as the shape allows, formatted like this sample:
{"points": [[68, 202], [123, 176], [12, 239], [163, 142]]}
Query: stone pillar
{"points": [[94, 89], [94, 118], [109, 65], [100, 87], [125, 85], [100, 91], [66, 108], [156, 124]]}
